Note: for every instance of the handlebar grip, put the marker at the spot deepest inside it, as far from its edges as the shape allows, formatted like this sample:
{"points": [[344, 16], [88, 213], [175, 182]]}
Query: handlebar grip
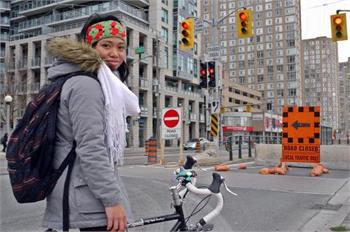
{"points": [[190, 161], [217, 181]]}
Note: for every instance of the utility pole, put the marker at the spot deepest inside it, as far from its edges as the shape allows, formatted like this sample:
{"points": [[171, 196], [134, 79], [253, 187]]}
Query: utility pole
{"points": [[157, 93]]}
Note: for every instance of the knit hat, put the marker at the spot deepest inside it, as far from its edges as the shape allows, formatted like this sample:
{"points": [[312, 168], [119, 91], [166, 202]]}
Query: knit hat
{"points": [[105, 29]]}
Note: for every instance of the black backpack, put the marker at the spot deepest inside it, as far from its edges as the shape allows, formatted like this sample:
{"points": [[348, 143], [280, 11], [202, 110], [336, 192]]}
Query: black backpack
{"points": [[31, 146]]}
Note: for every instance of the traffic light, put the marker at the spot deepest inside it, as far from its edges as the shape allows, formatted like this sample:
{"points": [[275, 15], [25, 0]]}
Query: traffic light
{"points": [[211, 74], [244, 24], [187, 33], [338, 25], [203, 75]]}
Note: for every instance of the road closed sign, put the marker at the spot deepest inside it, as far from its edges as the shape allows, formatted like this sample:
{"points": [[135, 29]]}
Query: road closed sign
{"points": [[301, 134], [171, 123]]}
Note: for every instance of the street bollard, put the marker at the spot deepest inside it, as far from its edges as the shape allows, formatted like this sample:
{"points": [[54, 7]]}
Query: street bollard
{"points": [[249, 147], [152, 151], [240, 147], [230, 147]]}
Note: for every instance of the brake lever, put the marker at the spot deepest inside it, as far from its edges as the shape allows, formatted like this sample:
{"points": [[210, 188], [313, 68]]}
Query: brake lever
{"points": [[228, 190]]}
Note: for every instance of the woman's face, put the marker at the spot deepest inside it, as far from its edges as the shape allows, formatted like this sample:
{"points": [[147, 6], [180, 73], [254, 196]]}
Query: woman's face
{"points": [[112, 51]]}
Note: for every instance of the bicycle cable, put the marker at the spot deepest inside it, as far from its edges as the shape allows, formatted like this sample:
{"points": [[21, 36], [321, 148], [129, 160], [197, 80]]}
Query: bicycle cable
{"points": [[194, 212]]}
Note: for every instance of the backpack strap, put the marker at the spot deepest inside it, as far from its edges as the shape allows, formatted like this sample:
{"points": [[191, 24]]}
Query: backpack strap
{"points": [[70, 159], [65, 203]]}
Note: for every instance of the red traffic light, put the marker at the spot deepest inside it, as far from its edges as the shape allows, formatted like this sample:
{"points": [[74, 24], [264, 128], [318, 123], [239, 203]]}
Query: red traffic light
{"points": [[211, 70], [185, 25], [243, 16], [203, 72]]}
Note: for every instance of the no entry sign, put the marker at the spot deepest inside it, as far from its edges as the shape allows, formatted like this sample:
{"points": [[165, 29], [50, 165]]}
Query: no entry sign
{"points": [[171, 118], [171, 123]]}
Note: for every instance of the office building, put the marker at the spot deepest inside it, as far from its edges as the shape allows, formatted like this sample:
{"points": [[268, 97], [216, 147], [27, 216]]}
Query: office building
{"points": [[321, 78], [344, 98], [270, 60]]}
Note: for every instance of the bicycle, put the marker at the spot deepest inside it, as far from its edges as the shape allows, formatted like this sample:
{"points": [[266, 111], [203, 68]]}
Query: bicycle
{"points": [[186, 178]]}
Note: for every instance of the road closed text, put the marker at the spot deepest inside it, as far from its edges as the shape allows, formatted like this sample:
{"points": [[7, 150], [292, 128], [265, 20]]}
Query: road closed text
{"points": [[301, 153]]}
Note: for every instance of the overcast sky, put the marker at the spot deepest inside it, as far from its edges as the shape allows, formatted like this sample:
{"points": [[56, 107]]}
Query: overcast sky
{"points": [[315, 21]]}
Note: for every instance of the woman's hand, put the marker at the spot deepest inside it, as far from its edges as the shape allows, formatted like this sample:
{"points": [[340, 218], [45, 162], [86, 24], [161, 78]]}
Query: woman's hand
{"points": [[116, 218]]}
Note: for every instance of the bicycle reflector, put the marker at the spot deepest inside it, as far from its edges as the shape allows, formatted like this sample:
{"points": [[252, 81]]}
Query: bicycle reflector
{"points": [[244, 24], [338, 26], [187, 33]]}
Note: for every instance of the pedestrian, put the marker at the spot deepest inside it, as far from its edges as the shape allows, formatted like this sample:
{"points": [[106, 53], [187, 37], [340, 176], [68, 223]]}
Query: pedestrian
{"points": [[4, 142], [93, 114]]}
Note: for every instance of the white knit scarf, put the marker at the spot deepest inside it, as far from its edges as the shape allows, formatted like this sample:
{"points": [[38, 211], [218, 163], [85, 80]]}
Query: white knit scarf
{"points": [[120, 102]]}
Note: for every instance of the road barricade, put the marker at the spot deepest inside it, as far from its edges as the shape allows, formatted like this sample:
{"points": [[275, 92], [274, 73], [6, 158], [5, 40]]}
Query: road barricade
{"points": [[152, 151], [198, 147]]}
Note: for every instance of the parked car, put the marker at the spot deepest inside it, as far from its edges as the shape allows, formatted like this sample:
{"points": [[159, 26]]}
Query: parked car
{"points": [[191, 144]]}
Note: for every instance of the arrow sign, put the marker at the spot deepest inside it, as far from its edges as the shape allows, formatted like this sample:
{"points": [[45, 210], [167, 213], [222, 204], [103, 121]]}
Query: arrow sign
{"points": [[297, 124]]}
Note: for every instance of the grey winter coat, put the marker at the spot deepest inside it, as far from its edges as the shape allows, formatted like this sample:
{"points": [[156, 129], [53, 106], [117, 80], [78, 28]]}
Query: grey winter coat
{"points": [[95, 183]]}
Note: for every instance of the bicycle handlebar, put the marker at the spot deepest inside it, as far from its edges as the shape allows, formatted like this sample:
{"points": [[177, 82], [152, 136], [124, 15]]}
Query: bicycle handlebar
{"points": [[214, 189], [190, 161]]}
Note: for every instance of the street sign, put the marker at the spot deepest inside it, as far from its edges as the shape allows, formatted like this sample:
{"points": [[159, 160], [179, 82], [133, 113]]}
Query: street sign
{"points": [[214, 125], [214, 52], [171, 123], [301, 134]]}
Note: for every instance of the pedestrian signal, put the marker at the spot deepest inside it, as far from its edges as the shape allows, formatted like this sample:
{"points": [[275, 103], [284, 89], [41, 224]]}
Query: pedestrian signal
{"points": [[211, 74], [244, 24], [187, 33], [203, 75], [338, 26]]}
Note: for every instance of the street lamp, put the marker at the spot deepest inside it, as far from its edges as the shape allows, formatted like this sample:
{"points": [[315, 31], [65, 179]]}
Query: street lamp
{"points": [[8, 100]]}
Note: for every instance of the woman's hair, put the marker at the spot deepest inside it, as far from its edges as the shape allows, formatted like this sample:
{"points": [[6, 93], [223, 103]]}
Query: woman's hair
{"points": [[96, 18]]}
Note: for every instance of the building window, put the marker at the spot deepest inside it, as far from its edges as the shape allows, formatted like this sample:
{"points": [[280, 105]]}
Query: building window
{"points": [[164, 15], [260, 78], [164, 34], [269, 106]]}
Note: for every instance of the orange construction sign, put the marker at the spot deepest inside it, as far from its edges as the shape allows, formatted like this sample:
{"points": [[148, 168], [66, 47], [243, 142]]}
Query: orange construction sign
{"points": [[301, 134]]}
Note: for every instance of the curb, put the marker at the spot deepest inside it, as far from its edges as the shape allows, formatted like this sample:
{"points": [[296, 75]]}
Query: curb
{"points": [[325, 219]]}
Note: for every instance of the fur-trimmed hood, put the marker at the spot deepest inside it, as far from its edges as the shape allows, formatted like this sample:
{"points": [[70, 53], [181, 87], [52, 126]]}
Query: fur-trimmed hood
{"points": [[72, 56]]}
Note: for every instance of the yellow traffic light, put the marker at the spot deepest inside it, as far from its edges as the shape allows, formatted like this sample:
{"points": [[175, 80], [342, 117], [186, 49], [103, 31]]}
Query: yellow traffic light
{"points": [[338, 26], [244, 24], [187, 33]]}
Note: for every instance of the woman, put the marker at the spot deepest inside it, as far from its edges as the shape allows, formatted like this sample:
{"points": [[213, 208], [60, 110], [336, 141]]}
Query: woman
{"points": [[4, 142], [92, 113]]}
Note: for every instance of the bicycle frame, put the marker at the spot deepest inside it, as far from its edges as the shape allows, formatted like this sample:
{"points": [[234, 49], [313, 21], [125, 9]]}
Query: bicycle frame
{"points": [[188, 180], [180, 225]]}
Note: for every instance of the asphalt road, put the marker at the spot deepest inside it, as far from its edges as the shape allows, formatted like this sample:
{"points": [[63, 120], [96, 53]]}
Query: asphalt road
{"points": [[264, 203]]}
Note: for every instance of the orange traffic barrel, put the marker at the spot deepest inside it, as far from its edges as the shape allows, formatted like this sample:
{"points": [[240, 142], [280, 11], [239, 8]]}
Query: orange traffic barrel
{"points": [[152, 151], [198, 147], [146, 147]]}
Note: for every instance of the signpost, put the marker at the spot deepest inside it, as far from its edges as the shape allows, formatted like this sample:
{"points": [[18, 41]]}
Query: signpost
{"points": [[301, 134], [171, 129]]}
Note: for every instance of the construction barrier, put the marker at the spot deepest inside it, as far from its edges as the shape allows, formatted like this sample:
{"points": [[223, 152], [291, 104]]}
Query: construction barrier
{"points": [[152, 151], [198, 147], [146, 148]]}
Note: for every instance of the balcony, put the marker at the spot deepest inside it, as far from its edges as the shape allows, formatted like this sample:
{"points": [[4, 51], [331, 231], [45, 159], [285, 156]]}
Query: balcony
{"points": [[144, 111], [193, 117], [144, 83], [36, 62], [36, 7], [4, 37], [34, 87], [84, 12], [23, 64], [21, 89], [4, 6], [202, 118], [49, 60]]}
